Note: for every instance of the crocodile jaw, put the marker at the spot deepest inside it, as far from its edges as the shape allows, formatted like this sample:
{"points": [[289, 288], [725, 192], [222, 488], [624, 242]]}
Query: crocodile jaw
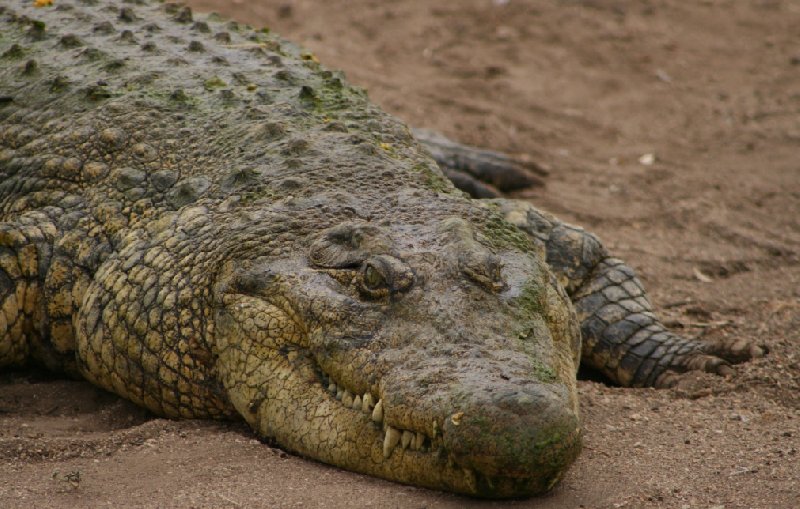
{"points": [[303, 415]]}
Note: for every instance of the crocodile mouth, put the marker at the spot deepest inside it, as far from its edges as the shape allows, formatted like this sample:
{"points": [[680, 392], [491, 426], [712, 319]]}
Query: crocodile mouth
{"points": [[310, 411], [420, 457]]}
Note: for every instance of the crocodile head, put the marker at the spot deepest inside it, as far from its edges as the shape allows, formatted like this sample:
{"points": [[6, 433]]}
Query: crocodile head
{"points": [[445, 362]]}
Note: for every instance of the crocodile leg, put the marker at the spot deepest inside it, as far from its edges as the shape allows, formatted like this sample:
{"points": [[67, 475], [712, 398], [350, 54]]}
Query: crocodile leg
{"points": [[622, 337], [24, 250], [479, 172]]}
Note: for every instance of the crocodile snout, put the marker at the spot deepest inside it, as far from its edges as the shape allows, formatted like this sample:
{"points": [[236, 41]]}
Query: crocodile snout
{"points": [[510, 436]]}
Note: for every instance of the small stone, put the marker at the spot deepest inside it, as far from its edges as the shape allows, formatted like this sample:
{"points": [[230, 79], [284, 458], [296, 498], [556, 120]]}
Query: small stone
{"points": [[647, 159]]}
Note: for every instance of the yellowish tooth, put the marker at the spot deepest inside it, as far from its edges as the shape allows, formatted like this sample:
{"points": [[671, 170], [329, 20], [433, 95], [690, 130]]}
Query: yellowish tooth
{"points": [[390, 441], [405, 440], [366, 403], [339, 393], [332, 388], [357, 403], [435, 429], [419, 440], [377, 412], [347, 399]]}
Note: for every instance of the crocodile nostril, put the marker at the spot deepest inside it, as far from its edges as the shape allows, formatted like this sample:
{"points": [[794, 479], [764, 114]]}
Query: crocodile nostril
{"points": [[482, 267]]}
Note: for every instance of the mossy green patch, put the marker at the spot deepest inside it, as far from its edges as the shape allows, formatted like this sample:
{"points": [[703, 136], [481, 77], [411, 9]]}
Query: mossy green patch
{"points": [[37, 30], [531, 300], [543, 373], [501, 234], [333, 95], [213, 83], [434, 179], [14, 52]]}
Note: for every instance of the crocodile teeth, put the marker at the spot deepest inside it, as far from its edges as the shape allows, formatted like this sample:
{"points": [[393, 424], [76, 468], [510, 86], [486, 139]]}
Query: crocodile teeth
{"points": [[339, 393], [332, 388], [347, 399], [377, 412], [405, 440], [366, 403], [390, 441], [357, 403], [419, 440]]}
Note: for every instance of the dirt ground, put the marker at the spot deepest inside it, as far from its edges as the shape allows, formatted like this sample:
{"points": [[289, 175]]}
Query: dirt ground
{"points": [[671, 128]]}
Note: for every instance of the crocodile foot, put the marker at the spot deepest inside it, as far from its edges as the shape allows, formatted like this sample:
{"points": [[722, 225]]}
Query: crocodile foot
{"points": [[716, 357]]}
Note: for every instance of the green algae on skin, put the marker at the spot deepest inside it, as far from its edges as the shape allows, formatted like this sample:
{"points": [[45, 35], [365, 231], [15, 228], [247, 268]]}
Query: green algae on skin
{"points": [[501, 234], [434, 179], [214, 83]]}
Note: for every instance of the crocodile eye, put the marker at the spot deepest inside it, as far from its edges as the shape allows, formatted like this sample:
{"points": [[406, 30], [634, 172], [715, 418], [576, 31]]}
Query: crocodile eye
{"points": [[373, 282], [373, 279], [384, 275]]}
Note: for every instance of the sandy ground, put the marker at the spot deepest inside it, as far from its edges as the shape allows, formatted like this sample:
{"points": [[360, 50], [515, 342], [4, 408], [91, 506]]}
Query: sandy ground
{"points": [[709, 87]]}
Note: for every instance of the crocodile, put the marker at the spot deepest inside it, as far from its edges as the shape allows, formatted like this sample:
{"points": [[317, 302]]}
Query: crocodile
{"points": [[199, 217]]}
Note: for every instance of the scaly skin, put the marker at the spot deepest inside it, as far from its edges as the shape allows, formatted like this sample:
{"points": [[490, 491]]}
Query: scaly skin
{"points": [[198, 217]]}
